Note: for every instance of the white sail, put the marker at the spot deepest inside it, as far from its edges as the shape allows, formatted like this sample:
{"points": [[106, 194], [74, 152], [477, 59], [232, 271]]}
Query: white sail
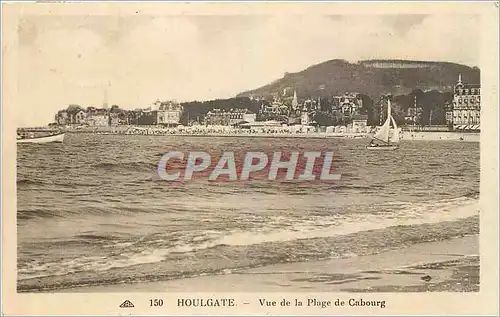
{"points": [[383, 133], [395, 135]]}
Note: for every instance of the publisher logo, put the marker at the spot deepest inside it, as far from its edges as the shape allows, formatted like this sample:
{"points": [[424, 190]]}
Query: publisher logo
{"points": [[126, 304]]}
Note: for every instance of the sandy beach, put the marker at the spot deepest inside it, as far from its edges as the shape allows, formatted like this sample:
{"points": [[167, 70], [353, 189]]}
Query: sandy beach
{"points": [[452, 265]]}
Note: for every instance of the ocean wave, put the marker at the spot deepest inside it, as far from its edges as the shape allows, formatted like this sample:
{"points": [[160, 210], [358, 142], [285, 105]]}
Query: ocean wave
{"points": [[63, 184], [354, 187], [160, 248], [472, 194], [406, 181], [227, 258], [26, 181], [95, 236], [451, 175], [37, 213], [125, 166], [399, 213]]}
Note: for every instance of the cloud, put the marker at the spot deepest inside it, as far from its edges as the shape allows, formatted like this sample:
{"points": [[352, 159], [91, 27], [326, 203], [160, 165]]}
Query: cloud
{"points": [[403, 23], [445, 38]]}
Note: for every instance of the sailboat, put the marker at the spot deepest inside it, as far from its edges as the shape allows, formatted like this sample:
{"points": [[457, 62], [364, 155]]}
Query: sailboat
{"points": [[385, 142]]}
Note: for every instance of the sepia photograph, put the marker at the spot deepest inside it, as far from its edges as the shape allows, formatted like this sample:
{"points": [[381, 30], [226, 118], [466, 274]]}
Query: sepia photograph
{"points": [[257, 153]]}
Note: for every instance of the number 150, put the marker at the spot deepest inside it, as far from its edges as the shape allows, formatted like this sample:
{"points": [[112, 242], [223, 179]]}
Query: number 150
{"points": [[156, 302]]}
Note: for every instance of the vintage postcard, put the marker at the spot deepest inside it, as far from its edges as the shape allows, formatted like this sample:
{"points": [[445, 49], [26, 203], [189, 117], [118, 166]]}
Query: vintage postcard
{"points": [[249, 158]]}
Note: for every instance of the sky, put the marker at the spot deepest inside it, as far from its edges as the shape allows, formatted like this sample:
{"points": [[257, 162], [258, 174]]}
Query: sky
{"points": [[131, 61]]}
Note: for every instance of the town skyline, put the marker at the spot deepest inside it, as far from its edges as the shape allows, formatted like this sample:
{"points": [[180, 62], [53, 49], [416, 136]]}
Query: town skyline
{"points": [[129, 62]]}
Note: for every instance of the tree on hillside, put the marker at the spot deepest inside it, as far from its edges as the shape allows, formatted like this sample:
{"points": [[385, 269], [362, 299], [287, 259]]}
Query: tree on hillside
{"points": [[323, 119], [368, 109], [196, 109], [73, 108], [398, 113], [335, 77]]}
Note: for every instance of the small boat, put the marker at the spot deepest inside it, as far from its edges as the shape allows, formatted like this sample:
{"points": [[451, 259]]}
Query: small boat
{"points": [[382, 140], [55, 137]]}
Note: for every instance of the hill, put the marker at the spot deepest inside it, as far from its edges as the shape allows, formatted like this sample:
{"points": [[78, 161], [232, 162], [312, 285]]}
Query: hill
{"points": [[371, 77]]}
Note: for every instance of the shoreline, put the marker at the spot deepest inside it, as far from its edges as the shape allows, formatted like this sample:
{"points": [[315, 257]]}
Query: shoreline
{"points": [[452, 265], [405, 135]]}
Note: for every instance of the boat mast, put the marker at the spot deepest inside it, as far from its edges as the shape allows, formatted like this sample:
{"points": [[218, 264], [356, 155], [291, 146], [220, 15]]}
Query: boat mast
{"points": [[388, 116], [414, 111]]}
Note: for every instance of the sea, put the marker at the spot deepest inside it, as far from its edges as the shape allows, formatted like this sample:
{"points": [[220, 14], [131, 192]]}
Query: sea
{"points": [[92, 211]]}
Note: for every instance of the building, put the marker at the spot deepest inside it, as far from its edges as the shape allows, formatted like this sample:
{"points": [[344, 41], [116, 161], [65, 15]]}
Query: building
{"points": [[310, 105], [414, 114], [262, 125], [62, 117], [304, 116], [73, 116], [97, 117], [395, 64], [158, 113], [147, 117], [276, 108], [80, 117], [229, 117], [132, 116], [359, 124], [295, 103], [249, 116], [449, 113], [168, 113], [348, 104], [114, 119], [217, 117], [465, 112]]}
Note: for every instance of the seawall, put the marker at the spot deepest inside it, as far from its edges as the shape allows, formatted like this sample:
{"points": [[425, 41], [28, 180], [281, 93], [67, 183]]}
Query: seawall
{"points": [[405, 135]]}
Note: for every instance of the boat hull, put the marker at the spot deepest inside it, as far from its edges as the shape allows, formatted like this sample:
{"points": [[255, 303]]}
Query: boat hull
{"points": [[382, 148], [56, 138]]}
